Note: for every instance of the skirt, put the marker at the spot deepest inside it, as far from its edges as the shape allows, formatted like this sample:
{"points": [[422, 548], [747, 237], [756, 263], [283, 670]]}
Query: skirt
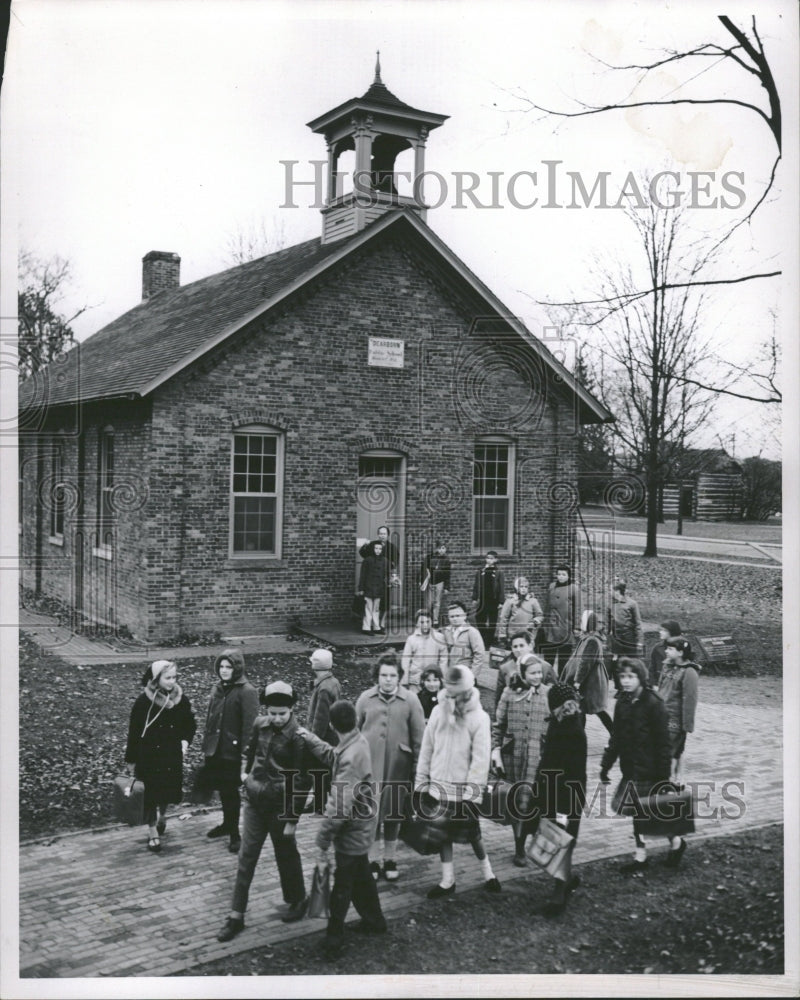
{"points": [[462, 818]]}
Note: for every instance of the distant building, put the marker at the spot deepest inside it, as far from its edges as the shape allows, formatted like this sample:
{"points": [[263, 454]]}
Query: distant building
{"points": [[210, 460]]}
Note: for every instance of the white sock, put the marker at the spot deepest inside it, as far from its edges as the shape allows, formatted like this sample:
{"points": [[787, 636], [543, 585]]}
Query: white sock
{"points": [[389, 847], [640, 854], [675, 842], [376, 851], [448, 875], [486, 869]]}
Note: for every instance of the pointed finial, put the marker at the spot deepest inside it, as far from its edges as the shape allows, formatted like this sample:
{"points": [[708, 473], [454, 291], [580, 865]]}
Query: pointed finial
{"points": [[378, 68]]}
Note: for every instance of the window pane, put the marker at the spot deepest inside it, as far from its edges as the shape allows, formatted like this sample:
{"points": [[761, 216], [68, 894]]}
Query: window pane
{"points": [[491, 524], [254, 524]]}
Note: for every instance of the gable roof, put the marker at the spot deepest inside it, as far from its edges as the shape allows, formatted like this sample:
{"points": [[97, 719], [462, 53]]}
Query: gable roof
{"points": [[151, 343]]}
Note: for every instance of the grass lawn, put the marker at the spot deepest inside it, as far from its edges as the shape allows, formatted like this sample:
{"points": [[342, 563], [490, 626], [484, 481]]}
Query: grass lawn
{"points": [[737, 531], [720, 912]]}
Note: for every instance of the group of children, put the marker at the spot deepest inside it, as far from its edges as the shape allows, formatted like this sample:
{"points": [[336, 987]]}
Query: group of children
{"points": [[420, 730]]}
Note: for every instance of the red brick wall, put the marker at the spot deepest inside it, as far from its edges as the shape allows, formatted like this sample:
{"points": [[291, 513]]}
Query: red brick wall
{"points": [[306, 373]]}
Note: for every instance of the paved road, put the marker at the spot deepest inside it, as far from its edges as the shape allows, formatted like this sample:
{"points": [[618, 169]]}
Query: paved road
{"points": [[96, 903], [764, 554]]}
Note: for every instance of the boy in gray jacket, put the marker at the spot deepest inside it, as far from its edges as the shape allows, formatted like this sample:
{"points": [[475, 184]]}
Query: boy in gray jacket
{"points": [[348, 824]]}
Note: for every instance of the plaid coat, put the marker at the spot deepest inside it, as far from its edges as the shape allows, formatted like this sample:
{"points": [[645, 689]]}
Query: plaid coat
{"points": [[521, 714]]}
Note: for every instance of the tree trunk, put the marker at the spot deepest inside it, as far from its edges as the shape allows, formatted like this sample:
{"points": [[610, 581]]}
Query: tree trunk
{"points": [[651, 547]]}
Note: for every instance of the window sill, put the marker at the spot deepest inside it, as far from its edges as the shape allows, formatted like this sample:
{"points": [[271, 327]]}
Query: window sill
{"points": [[255, 562], [103, 554], [56, 540]]}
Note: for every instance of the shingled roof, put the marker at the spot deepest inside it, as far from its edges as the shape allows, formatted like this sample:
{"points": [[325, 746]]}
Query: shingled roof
{"points": [[154, 341], [127, 355]]}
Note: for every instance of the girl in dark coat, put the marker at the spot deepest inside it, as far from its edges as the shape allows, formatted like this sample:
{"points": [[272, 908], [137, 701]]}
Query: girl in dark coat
{"points": [[561, 780], [640, 740], [161, 728], [431, 681], [232, 711]]}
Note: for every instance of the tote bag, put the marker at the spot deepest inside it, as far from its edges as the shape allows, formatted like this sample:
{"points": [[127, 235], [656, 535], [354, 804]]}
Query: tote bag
{"points": [[550, 847], [128, 804]]}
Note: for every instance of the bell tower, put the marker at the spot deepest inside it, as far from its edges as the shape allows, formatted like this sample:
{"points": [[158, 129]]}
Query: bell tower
{"points": [[377, 127]]}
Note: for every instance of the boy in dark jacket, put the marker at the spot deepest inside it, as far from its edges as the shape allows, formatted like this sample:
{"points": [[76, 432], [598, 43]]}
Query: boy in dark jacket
{"points": [[669, 629], [232, 711], [348, 824], [275, 790], [488, 593]]}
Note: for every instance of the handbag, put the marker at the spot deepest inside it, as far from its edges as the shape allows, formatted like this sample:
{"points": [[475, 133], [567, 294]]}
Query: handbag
{"points": [[425, 835], [667, 812], [320, 896], [128, 805], [550, 848]]}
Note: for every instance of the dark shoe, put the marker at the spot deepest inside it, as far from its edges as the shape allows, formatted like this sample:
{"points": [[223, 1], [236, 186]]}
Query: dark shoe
{"points": [[557, 901], [235, 843], [296, 911], [375, 869], [161, 826], [364, 928], [154, 845], [231, 927], [573, 883], [492, 885], [217, 831], [366, 631], [390, 872], [520, 861], [634, 867], [673, 858], [439, 890]]}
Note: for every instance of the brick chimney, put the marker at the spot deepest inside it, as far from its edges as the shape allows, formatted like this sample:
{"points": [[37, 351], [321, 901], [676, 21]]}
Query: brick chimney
{"points": [[160, 270]]}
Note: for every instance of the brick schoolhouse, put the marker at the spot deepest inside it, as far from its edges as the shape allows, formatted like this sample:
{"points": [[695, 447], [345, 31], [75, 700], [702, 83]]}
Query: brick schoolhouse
{"points": [[211, 460]]}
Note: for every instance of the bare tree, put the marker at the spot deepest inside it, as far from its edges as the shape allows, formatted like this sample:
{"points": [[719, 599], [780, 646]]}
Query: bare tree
{"points": [[43, 331], [648, 345], [254, 239]]}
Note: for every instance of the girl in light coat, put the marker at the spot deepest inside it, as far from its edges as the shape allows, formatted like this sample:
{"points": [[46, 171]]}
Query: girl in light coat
{"points": [[453, 770]]}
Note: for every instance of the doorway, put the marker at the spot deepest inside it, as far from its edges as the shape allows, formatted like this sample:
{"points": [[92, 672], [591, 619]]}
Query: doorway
{"points": [[381, 500]]}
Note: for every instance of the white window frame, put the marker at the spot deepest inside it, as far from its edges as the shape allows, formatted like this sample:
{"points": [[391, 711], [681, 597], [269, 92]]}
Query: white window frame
{"points": [[56, 537], [258, 430], [105, 487], [503, 442]]}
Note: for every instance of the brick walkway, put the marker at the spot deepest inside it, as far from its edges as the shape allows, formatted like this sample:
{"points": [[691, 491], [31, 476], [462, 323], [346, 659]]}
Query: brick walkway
{"points": [[89, 902]]}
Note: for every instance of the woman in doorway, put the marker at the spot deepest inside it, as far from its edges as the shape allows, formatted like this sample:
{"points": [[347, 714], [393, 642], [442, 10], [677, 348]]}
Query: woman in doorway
{"points": [[160, 730], [373, 583]]}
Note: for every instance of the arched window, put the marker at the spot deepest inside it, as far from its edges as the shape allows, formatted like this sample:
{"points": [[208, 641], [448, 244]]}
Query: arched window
{"points": [[256, 492], [493, 495]]}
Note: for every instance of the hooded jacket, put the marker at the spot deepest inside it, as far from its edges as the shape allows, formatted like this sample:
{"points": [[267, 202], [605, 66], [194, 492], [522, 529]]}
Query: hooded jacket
{"points": [[232, 711], [454, 759]]}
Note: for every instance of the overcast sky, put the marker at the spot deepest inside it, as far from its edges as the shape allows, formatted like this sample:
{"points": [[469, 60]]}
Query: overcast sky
{"points": [[135, 126]]}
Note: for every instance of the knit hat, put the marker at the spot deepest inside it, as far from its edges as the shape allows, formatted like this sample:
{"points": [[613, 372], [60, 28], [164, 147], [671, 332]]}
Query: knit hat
{"points": [[672, 627], [459, 679], [321, 659], [278, 694], [152, 672], [559, 694]]}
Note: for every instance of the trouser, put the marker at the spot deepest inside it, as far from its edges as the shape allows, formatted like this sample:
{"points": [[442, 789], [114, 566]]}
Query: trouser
{"points": [[227, 780], [258, 823], [486, 622], [353, 882], [372, 613], [434, 604]]}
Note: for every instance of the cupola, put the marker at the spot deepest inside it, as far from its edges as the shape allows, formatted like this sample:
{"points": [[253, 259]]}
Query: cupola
{"points": [[378, 127]]}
